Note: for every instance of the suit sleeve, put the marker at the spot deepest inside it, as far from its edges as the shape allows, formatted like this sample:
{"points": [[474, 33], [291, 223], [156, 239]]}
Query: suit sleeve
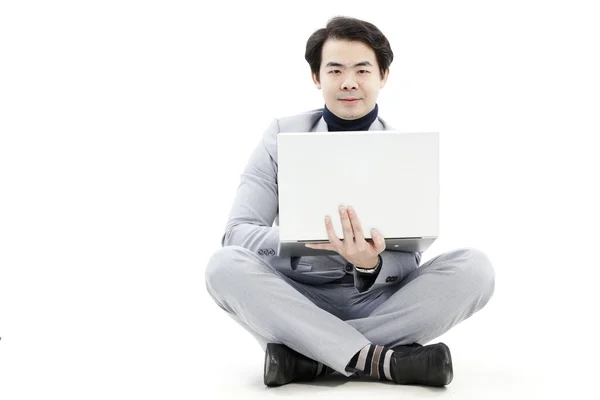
{"points": [[255, 206], [395, 266]]}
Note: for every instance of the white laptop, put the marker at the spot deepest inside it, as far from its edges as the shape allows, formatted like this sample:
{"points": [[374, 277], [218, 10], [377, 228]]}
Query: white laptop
{"points": [[390, 178]]}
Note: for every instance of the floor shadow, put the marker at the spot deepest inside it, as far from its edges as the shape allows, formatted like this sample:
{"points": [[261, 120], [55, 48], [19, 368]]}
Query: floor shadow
{"points": [[337, 379]]}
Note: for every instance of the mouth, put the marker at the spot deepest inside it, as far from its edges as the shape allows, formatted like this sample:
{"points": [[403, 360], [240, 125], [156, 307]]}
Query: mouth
{"points": [[350, 100]]}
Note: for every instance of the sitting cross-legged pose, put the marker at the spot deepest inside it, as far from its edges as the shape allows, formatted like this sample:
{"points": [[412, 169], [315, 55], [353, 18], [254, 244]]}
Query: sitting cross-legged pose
{"points": [[364, 311]]}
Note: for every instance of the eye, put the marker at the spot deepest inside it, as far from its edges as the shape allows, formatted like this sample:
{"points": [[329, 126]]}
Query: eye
{"points": [[335, 71], [364, 71]]}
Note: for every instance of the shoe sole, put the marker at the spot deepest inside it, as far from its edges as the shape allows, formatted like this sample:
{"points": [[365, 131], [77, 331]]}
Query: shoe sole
{"points": [[269, 377], [446, 361]]}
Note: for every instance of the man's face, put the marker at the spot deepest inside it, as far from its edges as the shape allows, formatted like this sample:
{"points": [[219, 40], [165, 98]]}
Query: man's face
{"points": [[349, 78]]}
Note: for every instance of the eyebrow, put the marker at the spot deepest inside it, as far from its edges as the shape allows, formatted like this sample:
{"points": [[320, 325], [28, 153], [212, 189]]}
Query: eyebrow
{"points": [[360, 64]]}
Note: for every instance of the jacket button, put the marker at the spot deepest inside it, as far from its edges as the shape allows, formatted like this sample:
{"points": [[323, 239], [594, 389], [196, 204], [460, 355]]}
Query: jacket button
{"points": [[348, 268]]}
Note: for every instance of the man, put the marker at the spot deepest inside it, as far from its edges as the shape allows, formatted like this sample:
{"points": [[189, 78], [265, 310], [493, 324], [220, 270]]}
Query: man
{"points": [[365, 311]]}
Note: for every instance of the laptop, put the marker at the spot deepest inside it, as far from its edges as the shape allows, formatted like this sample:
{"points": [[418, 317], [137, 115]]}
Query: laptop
{"points": [[390, 178]]}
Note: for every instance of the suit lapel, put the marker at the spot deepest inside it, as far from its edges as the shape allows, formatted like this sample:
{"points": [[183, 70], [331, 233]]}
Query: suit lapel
{"points": [[377, 125], [321, 126]]}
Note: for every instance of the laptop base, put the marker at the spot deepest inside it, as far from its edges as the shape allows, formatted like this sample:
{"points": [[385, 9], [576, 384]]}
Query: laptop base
{"points": [[411, 245]]}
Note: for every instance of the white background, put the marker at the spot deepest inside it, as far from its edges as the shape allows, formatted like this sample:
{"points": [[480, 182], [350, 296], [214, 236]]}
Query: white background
{"points": [[124, 128]]}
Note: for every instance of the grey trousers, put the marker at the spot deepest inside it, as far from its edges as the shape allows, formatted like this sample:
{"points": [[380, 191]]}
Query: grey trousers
{"points": [[330, 323]]}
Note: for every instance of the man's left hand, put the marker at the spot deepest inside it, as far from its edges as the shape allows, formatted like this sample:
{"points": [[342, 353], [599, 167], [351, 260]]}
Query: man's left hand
{"points": [[354, 248]]}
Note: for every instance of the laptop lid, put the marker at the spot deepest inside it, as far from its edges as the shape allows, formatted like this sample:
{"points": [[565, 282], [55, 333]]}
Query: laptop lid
{"points": [[391, 179]]}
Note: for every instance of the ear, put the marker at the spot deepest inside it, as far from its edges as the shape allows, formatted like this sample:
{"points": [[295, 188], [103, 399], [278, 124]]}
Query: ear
{"points": [[384, 78], [316, 81]]}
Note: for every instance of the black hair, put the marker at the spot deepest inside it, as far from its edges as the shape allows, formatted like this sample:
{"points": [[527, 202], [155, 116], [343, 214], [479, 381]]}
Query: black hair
{"points": [[351, 29]]}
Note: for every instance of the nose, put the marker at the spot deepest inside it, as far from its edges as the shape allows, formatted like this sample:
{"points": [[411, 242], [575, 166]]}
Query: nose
{"points": [[349, 83]]}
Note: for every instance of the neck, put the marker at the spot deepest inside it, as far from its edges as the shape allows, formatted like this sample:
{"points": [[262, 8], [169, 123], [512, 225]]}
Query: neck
{"points": [[335, 123]]}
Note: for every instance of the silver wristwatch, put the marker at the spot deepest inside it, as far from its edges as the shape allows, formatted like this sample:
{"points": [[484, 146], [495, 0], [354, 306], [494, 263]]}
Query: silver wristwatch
{"points": [[372, 270]]}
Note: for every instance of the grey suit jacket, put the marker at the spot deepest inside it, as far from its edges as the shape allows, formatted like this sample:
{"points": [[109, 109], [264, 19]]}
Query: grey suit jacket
{"points": [[253, 221]]}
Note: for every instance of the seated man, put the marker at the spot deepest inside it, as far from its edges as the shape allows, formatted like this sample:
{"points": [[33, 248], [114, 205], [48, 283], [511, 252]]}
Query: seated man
{"points": [[365, 311]]}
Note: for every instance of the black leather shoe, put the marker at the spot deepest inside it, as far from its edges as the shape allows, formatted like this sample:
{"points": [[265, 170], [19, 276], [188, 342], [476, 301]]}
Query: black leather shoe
{"points": [[422, 365], [284, 365]]}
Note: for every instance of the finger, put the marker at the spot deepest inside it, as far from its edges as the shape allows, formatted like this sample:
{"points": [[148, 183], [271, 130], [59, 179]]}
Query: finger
{"points": [[333, 239], [378, 241], [346, 226], [356, 225]]}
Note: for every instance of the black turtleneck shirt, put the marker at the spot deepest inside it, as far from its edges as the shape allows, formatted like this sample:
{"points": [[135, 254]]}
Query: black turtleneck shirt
{"points": [[336, 124]]}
